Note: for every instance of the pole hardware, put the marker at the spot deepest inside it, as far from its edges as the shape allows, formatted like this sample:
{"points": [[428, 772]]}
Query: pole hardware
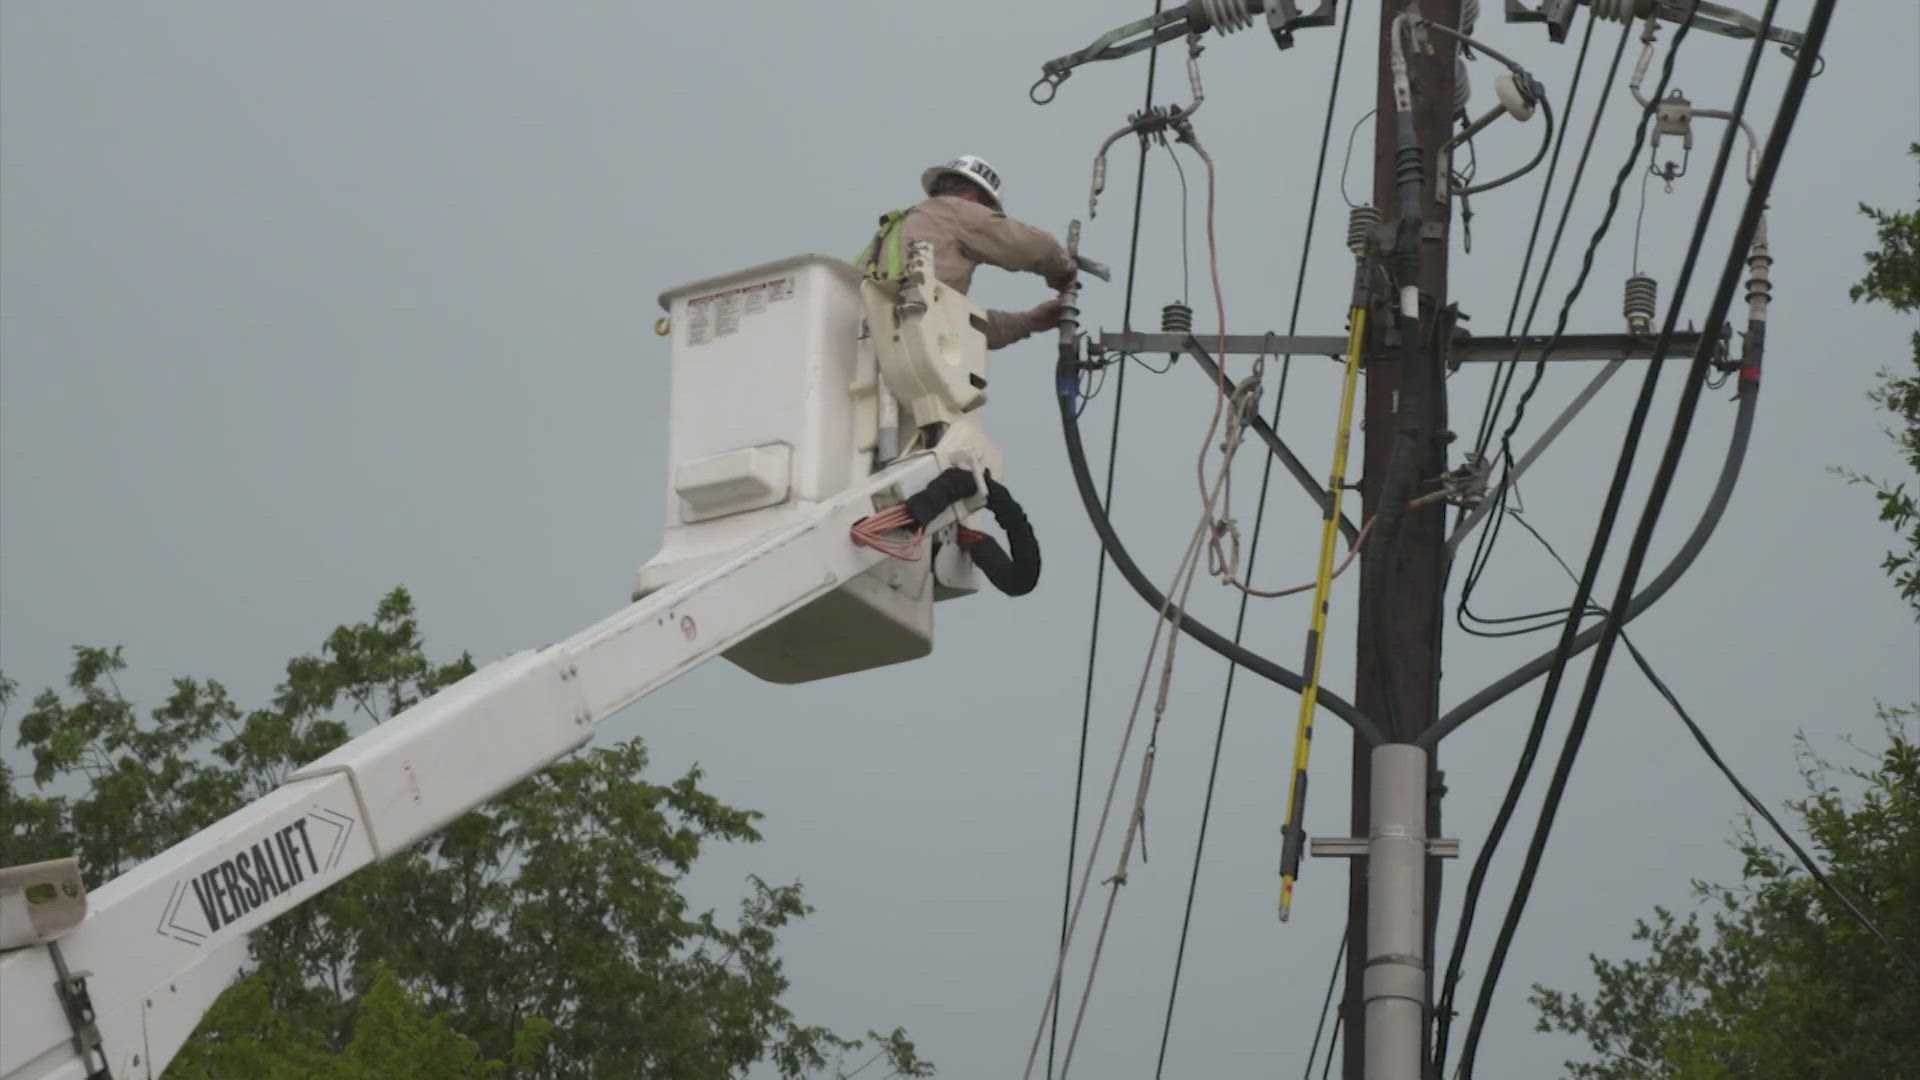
{"points": [[1557, 15]]}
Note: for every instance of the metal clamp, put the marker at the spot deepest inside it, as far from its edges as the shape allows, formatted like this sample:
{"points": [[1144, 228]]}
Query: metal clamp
{"points": [[78, 1006], [1355, 847]]}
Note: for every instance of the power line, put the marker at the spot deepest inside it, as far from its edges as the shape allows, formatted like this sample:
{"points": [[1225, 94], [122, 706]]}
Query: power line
{"points": [[1484, 545], [1539, 218], [1523, 768], [1326, 1003], [1713, 755], [1643, 537], [1253, 550], [1100, 573]]}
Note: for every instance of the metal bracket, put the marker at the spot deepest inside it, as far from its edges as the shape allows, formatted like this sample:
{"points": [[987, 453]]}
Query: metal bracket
{"points": [[78, 1005], [1557, 14], [1355, 847], [1283, 18], [1713, 18]]}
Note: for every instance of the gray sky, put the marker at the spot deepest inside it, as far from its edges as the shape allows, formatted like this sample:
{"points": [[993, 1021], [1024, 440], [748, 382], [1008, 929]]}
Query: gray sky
{"points": [[305, 302]]}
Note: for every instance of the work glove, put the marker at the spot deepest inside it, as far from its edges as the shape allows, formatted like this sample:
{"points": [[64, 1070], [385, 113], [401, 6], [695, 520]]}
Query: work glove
{"points": [[1046, 315]]}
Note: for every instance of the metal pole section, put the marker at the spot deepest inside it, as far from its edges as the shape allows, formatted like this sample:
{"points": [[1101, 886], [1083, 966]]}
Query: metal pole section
{"points": [[1395, 987]]}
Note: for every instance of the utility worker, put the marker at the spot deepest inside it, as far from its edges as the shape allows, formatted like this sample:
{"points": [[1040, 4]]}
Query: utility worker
{"points": [[961, 218]]}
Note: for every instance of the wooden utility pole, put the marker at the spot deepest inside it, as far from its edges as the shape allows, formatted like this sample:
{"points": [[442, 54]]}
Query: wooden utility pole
{"points": [[1402, 610]]}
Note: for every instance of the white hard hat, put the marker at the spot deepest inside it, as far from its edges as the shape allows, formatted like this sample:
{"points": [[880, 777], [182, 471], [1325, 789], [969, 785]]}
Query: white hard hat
{"points": [[970, 168]]}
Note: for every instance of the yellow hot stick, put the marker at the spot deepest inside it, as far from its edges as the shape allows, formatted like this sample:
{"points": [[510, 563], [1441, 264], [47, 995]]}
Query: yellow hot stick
{"points": [[1294, 836]]}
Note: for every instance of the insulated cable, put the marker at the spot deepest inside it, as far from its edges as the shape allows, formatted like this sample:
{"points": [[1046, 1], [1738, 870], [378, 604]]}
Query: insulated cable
{"points": [[1326, 1005], [1643, 537], [1443, 1012], [1496, 400], [1116, 550], [1546, 139], [1753, 803]]}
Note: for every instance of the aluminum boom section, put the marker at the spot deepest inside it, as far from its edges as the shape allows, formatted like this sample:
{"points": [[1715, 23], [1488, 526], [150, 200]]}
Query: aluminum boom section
{"points": [[163, 940]]}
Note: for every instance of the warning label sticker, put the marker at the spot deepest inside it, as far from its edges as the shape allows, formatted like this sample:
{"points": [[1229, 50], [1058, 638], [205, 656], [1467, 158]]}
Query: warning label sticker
{"points": [[717, 315]]}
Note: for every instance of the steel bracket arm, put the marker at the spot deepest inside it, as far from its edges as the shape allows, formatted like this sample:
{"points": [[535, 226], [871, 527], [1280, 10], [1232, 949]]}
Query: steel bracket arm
{"points": [[1713, 18], [1134, 37], [163, 940]]}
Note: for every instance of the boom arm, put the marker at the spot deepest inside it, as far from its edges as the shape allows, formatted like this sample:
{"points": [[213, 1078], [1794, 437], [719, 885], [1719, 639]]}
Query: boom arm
{"points": [[119, 995]]}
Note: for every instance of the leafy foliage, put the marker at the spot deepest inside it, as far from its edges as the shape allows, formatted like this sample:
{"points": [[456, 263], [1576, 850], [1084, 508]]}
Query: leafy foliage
{"points": [[1780, 982], [543, 935], [1893, 278]]}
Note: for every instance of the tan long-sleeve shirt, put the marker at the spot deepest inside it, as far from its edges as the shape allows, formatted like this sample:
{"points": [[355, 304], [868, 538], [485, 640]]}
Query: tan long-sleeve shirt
{"points": [[965, 234]]}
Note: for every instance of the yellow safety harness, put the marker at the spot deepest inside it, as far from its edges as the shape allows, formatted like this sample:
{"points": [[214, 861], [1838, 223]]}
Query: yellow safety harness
{"points": [[885, 257]]}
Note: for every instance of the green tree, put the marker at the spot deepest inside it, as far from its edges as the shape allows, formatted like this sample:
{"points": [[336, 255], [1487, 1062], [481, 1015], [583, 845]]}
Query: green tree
{"points": [[1780, 981], [1893, 278], [543, 935]]}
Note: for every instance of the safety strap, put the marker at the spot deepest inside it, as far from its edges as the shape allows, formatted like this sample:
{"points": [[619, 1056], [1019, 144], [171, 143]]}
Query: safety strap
{"points": [[884, 257]]}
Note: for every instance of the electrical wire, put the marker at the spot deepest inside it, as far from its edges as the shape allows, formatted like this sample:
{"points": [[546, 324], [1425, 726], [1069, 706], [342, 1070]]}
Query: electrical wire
{"points": [[1523, 768], [1100, 571], [1484, 545], [1186, 222], [1326, 1004], [1169, 611], [1746, 410], [1642, 540], [1539, 218], [1259, 520], [1348, 161], [1546, 140], [1713, 755]]}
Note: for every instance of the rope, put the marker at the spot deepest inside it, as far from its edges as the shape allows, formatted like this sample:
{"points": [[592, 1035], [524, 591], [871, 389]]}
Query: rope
{"points": [[1169, 611], [1253, 549], [1100, 571]]}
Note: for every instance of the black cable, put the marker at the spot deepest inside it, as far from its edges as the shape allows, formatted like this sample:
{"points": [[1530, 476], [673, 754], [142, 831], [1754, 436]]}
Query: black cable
{"points": [[1100, 572], [1546, 140], [1523, 768], [1540, 216], [1812, 868], [1488, 539], [1746, 410], [1669, 464], [1253, 549], [1333, 1044], [1758, 807], [1326, 1004], [1363, 727]]}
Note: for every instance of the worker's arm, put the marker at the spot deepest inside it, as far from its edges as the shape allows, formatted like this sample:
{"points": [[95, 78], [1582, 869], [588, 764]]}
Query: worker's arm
{"points": [[989, 236], [1006, 327]]}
